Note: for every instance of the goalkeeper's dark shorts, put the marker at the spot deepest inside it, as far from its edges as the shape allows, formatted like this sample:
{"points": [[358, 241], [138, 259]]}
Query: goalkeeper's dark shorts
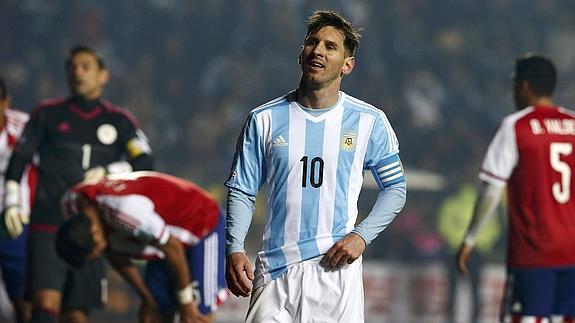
{"points": [[85, 288]]}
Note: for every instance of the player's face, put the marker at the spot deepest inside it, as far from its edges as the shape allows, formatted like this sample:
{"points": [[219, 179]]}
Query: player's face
{"points": [[85, 77], [323, 59]]}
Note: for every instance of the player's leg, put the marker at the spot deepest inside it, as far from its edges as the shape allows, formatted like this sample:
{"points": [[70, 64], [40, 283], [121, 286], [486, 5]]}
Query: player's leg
{"points": [[308, 292], [86, 289], [332, 295], [278, 300], [13, 263], [159, 280], [564, 307], [46, 275], [529, 295]]}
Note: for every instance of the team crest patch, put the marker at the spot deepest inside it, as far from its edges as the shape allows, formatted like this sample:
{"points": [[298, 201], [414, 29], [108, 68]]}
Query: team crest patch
{"points": [[107, 134], [348, 141]]}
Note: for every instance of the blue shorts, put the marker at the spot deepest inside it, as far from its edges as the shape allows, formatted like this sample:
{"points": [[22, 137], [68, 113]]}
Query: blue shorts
{"points": [[540, 292], [206, 263], [13, 265]]}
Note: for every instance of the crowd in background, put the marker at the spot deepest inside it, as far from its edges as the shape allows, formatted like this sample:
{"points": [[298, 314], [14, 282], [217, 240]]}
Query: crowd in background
{"points": [[191, 70]]}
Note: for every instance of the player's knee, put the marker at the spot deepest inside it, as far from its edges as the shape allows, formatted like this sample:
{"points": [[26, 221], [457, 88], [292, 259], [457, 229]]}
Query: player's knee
{"points": [[74, 315], [47, 300]]}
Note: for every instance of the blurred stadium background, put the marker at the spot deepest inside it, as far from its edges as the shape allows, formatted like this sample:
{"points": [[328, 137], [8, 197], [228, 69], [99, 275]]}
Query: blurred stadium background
{"points": [[191, 70]]}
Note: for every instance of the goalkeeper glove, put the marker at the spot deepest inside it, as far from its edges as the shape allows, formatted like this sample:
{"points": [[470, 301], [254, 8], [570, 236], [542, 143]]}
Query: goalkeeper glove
{"points": [[14, 216], [95, 174]]}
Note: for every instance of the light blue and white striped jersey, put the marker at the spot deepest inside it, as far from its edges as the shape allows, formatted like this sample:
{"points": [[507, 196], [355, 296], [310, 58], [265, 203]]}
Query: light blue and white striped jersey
{"points": [[313, 166]]}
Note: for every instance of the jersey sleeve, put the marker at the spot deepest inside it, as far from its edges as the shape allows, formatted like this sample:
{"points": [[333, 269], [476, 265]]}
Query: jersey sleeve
{"points": [[26, 146], [248, 171], [135, 214], [135, 141], [382, 154], [501, 156]]}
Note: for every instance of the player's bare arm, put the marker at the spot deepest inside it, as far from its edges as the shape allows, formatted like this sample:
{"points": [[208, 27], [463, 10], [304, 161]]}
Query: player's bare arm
{"points": [[487, 201], [346, 250], [148, 311], [176, 260], [239, 274]]}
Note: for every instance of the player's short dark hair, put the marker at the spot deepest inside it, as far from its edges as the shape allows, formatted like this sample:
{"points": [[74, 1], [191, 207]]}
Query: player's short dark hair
{"points": [[85, 49], [74, 241], [538, 71], [324, 18], [3, 89]]}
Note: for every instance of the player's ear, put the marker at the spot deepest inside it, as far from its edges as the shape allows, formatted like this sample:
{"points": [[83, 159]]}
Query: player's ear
{"points": [[348, 64], [104, 77]]}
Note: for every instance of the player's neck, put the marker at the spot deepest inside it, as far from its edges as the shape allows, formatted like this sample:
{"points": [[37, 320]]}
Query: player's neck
{"points": [[85, 103], [544, 102], [317, 98]]}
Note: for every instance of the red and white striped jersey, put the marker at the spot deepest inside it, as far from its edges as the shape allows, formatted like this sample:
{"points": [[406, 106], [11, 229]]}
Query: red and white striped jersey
{"points": [[14, 124], [533, 153], [144, 208]]}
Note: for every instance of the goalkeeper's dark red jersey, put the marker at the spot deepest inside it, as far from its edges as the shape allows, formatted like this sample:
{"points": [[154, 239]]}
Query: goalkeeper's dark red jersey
{"points": [[70, 136]]}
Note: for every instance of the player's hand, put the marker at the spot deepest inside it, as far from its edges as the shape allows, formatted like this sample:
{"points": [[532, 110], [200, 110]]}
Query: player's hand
{"points": [[239, 274], [14, 216], [94, 175], [148, 312], [189, 313], [346, 250], [463, 256]]}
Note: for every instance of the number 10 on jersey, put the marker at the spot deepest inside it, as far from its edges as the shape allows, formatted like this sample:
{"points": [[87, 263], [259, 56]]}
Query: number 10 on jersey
{"points": [[313, 169]]}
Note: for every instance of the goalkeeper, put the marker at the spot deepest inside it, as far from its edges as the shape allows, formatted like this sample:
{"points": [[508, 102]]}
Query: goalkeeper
{"points": [[73, 138]]}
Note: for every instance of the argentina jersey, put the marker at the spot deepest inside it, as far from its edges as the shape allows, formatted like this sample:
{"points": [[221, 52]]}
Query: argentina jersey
{"points": [[313, 165]]}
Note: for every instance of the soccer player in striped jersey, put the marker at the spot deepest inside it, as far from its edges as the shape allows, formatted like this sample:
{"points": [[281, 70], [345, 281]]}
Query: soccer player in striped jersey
{"points": [[173, 223], [12, 251], [311, 147], [532, 153]]}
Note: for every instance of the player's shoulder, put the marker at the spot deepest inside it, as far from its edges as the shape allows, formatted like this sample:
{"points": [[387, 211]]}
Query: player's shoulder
{"points": [[514, 117], [566, 111], [120, 111], [17, 115], [353, 103], [50, 103], [278, 103]]}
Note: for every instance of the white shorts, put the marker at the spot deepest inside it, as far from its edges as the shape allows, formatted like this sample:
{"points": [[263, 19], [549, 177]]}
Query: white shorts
{"points": [[309, 293]]}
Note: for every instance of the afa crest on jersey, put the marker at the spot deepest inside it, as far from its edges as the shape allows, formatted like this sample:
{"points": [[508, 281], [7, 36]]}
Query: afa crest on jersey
{"points": [[348, 141]]}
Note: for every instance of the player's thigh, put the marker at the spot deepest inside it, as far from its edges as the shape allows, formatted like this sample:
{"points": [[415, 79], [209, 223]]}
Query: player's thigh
{"points": [[565, 297], [271, 303], [307, 292], [45, 270], [332, 295], [158, 278], [87, 287], [530, 292]]}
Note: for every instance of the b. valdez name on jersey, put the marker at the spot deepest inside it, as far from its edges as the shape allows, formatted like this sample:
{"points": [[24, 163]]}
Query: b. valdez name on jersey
{"points": [[553, 126]]}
